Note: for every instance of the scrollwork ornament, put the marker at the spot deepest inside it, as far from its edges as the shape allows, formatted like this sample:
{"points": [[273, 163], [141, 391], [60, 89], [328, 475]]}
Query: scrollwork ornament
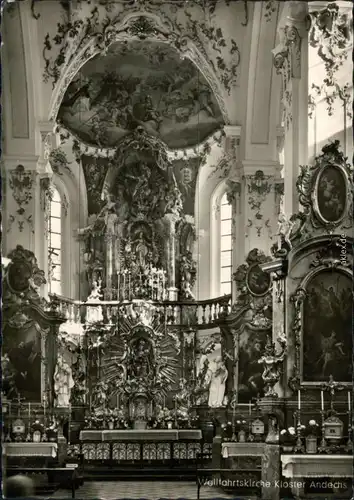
{"points": [[272, 364], [331, 34], [21, 183], [297, 299], [325, 191]]}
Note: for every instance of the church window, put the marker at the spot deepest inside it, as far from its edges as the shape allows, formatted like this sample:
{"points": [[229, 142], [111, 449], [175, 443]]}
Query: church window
{"points": [[55, 243], [225, 246]]}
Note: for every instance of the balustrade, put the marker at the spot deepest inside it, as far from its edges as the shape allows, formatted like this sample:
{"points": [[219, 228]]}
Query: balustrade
{"points": [[189, 313]]}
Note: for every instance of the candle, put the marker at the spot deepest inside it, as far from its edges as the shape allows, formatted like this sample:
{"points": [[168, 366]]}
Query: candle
{"points": [[349, 402], [117, 400], [250, 408], [322, 402], [298, 400], [29, 410]]}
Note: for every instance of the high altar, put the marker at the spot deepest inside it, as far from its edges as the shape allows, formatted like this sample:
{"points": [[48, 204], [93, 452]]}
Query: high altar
{"points": [[128, 376], [138, 376]]}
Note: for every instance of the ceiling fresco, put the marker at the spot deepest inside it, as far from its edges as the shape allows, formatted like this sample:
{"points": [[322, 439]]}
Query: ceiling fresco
{"points": [[140, 84]]}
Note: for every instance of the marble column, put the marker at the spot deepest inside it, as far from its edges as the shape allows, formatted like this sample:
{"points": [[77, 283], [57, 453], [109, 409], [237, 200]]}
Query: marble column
{"points": [[291, 62], [171, 256]]}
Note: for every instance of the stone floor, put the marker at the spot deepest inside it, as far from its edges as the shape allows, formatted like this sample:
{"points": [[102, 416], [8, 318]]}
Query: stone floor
{"points": [[114, 490]]}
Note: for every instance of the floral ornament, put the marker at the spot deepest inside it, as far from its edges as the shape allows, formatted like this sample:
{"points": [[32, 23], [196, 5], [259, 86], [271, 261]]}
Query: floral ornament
{"points": [[288, 436], [312, 429]]}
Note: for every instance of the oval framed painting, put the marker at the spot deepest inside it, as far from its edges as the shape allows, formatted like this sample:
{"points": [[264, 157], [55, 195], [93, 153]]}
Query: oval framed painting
{"points": [[331, 194], [258, 282], [18, 276]]}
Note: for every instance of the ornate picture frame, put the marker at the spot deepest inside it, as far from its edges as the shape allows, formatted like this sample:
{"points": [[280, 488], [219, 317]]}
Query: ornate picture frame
{"points": [[330, 195], [258, 282], [299, 378]]}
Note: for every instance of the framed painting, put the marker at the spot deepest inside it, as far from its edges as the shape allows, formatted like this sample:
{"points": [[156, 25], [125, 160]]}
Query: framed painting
{"points": [[250, 384], [257, 281], [23, 350], [323, 327], [331, 194]]}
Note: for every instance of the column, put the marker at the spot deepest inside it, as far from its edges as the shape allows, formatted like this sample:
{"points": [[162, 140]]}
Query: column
{"points": [[171, 256], [290, 60]]}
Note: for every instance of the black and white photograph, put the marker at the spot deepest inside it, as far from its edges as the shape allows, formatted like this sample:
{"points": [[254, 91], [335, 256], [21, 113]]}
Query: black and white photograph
{"points": [[177, 249]]}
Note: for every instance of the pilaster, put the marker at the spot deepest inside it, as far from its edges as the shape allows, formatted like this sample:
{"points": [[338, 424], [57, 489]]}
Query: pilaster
{"points": [[262, 188], [291, 62], [26, 201], [234, 183]]}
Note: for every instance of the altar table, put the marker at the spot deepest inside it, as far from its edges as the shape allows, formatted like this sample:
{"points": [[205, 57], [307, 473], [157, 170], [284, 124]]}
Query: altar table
{"points": [[141, 435], [30, 449], [263, 456], [301, 467], [140, 445]]}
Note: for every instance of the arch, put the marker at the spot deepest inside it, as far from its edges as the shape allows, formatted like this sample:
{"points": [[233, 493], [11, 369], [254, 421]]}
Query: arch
{"points": [[74, 216], [155, 31]]}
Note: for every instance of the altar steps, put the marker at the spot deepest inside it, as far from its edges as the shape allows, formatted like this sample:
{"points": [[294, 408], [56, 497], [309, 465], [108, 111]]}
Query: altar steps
{"points": [[141, 473]]}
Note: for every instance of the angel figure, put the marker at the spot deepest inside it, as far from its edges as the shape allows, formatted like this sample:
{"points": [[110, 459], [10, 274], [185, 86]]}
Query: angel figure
{"points": [[284, 230]]}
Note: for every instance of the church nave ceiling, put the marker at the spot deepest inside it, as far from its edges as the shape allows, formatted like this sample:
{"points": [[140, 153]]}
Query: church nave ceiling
{"points": [[140, 84]]}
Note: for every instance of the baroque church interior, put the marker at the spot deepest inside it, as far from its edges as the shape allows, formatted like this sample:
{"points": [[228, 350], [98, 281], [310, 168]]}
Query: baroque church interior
{"points": [[177, 248]]}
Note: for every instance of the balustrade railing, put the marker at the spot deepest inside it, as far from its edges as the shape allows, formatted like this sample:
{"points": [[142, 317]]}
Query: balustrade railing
{"points": [[190, 313]]}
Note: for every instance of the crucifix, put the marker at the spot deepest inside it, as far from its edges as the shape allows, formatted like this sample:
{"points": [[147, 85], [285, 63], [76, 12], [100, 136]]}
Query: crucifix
{"points": [[18, 400], [331, 386]]}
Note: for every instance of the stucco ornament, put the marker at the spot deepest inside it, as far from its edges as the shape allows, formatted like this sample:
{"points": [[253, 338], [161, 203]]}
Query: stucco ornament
{"points": [[272, 363], [326, 193], [21, 183], [85, 36]]}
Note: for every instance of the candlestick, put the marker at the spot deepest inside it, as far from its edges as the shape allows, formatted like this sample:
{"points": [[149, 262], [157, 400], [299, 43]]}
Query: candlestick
{"points": [[69, 423], [322, 402], [298, 400], [349, 402]]}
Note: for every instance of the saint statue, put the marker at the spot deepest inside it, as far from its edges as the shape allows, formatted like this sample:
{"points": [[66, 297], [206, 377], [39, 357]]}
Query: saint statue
{"points": [[142, 367], [141, 250], [63, 381], [219, 376]]}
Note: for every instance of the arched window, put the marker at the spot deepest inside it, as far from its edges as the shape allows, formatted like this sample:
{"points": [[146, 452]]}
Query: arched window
{"points": [[225, 246], [55, 243]]}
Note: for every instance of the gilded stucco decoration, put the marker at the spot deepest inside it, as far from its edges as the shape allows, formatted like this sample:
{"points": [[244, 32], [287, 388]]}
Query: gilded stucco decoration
{"points": [[22, 184]]}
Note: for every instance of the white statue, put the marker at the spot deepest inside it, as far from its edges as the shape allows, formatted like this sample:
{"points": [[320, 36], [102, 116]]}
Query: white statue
{"points": [[219, 376], [284, 230], [63, 380], [94, 313]]}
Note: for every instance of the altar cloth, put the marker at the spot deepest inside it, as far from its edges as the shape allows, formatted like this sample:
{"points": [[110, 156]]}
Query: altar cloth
{"points": [[141, 435], [30, 449], [317, 466], [237, 449]]}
